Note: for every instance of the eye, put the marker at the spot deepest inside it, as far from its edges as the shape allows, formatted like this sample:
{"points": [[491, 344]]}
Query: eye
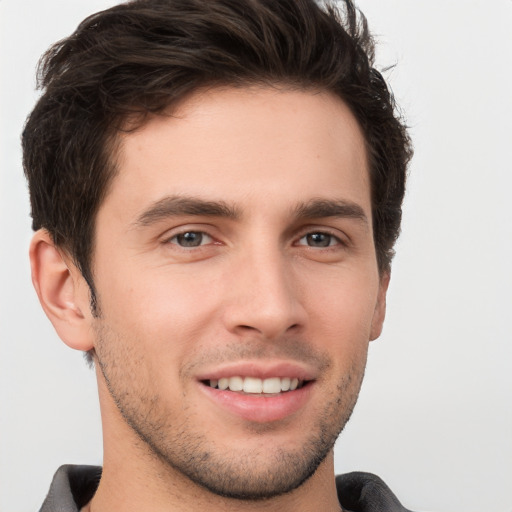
{"points": [[191, 239], [319, 239]]}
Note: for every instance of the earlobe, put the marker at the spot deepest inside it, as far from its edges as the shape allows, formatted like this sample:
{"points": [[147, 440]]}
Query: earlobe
{"points": [[61, 292], [380, 308]]}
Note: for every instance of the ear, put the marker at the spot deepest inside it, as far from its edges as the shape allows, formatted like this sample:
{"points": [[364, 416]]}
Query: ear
{"points": [[380, 308], [62, 292]]}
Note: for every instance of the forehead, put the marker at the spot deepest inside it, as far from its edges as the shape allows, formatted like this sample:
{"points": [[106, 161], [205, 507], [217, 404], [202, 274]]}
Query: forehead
{"points": [[244, 145]]}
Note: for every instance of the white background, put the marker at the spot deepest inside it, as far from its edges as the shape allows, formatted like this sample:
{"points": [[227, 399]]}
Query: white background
{"points": [[435, 416]]}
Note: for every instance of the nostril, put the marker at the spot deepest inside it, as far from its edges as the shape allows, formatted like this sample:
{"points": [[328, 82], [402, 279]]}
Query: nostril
{"points": [[250, 328], [247, 327]]}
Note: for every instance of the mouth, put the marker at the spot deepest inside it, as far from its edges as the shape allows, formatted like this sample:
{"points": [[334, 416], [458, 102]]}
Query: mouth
{"points": [[259, 391], [271, 386], [255, 399]]}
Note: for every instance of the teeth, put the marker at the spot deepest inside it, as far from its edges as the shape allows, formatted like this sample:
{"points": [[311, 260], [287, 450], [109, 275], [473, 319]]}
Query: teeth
{"points": [[253, 385], [285, 384], [236, 383], [272, 385]]}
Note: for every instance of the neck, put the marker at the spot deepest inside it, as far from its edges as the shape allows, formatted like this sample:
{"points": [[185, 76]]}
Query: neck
{"points": [[135, 479], [129, 492]]}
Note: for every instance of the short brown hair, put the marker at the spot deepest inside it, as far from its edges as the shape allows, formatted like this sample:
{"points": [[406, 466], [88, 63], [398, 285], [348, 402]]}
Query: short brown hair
{"points": [[144, 56]]}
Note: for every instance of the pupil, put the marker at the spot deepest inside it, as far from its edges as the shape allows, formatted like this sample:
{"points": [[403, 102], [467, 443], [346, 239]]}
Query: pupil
{"points": [[190, 239], [319, 239]]}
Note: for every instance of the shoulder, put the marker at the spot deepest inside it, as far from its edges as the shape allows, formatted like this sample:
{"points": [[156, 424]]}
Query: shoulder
{"points": [[72, 487], [365, 492]]}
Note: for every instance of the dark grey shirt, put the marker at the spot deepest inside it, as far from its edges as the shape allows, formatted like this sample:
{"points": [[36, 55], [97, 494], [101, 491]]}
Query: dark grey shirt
{"points": [[74, 486]]}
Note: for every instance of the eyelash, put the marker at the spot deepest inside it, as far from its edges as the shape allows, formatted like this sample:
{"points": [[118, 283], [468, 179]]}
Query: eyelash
{"points": [[331, 238], [190, 232]]}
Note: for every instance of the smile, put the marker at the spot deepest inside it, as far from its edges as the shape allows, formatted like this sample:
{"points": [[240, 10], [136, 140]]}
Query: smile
{"points": [[256, 386]]}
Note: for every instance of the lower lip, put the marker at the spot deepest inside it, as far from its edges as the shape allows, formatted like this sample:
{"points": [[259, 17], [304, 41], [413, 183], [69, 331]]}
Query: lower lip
{"points": [[257, 408]]}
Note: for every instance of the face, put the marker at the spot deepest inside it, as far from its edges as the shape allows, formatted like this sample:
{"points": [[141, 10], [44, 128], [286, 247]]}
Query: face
{"points": [[237, 286]]}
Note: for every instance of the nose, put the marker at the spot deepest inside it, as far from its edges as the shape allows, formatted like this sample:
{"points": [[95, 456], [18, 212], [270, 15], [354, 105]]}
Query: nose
{"points": [[264, 296]]}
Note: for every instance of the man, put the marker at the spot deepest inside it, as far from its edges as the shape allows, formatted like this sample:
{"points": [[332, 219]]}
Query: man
{"points": [[216, 189]]}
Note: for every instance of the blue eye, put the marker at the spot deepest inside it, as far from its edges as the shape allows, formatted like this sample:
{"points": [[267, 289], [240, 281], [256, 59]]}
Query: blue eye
{"points": [[191, 239], [319, 240]]}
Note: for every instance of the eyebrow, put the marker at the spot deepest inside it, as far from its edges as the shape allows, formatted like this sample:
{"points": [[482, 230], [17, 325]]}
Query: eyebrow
{"points": [[322, 208], [172, 206]]}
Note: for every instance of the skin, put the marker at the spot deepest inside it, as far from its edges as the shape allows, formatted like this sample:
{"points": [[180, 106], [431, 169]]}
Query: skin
{"points": [[281, 276]]}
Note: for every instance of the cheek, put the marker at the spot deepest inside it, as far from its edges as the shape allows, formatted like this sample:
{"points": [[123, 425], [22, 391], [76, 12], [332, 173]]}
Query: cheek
{"points": [[343, 310], [158, 309]]}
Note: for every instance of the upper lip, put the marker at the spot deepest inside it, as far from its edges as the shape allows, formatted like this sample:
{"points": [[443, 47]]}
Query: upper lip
{"points": [[261, 370]]}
